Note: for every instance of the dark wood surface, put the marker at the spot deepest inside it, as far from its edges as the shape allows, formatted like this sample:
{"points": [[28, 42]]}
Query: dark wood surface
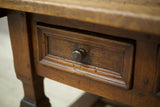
{"points": [[157, 86], [2, 13], [121, 38]]}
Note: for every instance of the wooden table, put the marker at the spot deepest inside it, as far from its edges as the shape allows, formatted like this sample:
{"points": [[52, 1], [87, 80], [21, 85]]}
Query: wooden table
{"points": [[110, 48]]}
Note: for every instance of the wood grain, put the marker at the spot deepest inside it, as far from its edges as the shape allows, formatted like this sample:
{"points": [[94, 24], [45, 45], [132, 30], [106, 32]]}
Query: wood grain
{"points": [[144, 64], [128, 31], [141, 16], [32, 83], [106, 60]]}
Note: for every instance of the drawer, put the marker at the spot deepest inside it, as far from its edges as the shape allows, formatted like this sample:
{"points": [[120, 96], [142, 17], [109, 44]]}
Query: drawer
{"points": [[85, 53]]}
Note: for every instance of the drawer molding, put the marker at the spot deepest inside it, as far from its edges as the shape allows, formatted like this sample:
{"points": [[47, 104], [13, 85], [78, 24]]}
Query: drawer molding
{"points": [[107, 73]]}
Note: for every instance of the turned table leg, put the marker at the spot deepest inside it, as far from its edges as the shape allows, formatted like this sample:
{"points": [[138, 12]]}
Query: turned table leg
{"points": [[21, 44]]}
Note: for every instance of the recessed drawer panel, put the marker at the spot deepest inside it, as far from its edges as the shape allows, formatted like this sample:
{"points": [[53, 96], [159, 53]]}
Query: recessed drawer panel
{"points": [[81, 53]]}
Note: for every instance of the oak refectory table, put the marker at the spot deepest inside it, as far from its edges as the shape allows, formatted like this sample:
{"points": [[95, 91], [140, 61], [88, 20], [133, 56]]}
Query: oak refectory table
{"points": [[110, 48]]}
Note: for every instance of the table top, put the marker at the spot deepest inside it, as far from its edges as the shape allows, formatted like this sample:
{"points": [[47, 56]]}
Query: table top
{"points": [[134, 15]]}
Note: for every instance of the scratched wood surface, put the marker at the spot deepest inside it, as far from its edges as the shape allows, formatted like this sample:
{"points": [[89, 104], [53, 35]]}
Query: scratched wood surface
{"points": [[136, 15]]}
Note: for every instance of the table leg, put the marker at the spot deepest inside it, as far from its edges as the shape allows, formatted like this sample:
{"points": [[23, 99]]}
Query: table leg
{"points": [[23, 61]]}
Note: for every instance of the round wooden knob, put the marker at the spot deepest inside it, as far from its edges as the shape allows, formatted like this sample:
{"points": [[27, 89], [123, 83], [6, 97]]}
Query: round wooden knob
{"points": [[78, 55]]}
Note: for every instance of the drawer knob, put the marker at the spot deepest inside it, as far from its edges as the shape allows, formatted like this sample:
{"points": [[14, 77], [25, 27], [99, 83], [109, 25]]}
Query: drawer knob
{"points": [[78, 55]]}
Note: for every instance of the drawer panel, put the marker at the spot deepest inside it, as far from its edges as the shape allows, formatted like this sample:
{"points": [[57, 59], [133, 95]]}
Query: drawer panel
{"points": [[97, 53], [105, 60]]}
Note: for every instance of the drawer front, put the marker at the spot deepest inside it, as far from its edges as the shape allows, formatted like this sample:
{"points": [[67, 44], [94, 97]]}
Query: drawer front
{"points": [[102, 59]]}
